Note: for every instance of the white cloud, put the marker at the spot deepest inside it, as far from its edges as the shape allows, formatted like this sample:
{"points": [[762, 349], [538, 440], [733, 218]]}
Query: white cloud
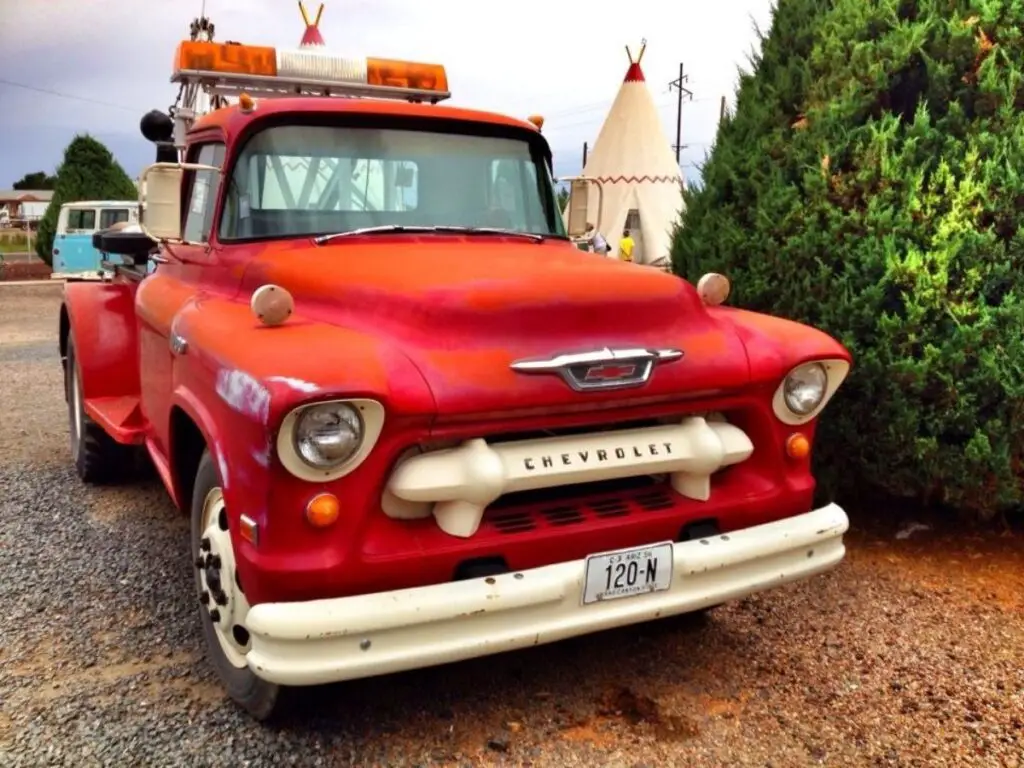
{"points": [[563, 59]]}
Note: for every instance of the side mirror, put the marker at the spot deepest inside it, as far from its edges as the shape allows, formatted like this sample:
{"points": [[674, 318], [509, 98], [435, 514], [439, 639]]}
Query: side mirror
{"points": [[160, 198], [579, 208]]}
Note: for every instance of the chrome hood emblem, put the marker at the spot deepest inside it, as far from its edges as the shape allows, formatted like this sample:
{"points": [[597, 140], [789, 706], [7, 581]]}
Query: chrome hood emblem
{"points": [[602, 369]]}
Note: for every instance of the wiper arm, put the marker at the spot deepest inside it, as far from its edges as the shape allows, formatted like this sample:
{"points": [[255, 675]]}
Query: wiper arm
{"points": [[384, 229], [491, 231], [393, 228]]}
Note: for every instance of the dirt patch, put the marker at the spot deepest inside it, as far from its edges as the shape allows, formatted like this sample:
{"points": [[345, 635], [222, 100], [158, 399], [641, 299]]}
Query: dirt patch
{"points": [[142, 501], [36, 430], [24, 270], [105, 675], [28, 309], [968, 568], [645, 714]]}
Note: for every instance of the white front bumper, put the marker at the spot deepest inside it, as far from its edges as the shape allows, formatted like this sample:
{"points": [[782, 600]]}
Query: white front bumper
{"points": [[324, 641]]}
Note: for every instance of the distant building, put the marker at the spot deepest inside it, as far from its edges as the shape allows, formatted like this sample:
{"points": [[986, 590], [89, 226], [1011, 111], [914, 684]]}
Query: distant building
{"points": [[24, 204]]}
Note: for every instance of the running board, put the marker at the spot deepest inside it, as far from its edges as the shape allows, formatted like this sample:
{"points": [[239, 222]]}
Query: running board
{"points": [[120, 417]]}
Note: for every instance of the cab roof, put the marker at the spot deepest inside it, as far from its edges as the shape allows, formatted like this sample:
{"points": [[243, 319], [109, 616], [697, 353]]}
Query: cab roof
{"points": [[231, 119]]}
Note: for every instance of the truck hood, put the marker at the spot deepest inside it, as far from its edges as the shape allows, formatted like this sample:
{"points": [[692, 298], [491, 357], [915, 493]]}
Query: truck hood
{"points": [[464, 309]]}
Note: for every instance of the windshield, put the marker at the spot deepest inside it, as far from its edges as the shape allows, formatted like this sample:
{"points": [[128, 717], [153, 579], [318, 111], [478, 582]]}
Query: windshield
{"points": [[304, 180]]}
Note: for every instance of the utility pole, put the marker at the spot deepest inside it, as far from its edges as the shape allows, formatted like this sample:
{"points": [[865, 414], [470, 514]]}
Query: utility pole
{"points": [[584, 155], [678, 85], [721, 110]]}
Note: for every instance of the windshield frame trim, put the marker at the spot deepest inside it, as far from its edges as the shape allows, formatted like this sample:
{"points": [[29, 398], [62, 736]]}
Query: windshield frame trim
{"points": [[539, 149]]}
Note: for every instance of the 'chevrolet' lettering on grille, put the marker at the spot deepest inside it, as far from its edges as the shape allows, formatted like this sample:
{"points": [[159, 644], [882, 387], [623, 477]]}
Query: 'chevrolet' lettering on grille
{"points": [[578, 458]]}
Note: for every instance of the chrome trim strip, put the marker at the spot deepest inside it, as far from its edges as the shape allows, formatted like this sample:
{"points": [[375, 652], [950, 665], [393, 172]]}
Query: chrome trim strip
{"points": [[567, 364]]}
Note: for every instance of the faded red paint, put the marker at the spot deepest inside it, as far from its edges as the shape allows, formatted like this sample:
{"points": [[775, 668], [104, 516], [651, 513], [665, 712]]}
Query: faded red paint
{"points": [[427, 325]]}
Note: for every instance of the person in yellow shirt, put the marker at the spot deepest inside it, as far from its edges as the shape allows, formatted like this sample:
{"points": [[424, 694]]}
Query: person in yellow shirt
{"points": [[626, 246]]}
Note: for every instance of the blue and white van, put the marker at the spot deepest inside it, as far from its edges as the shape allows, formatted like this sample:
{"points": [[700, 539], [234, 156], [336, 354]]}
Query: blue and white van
{"points": [[73, 253]]}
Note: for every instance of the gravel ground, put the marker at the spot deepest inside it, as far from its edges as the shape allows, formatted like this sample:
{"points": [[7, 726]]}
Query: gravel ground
{"points": [[910, 654]]}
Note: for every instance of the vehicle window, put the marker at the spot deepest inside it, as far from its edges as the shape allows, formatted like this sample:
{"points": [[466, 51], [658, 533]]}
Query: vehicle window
{"points": [[203, 187], [308, 180], [81, 219], [111, 216]]}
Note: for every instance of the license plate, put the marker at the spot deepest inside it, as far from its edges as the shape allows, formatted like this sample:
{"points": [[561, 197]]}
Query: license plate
{"points": [[628, 572]]}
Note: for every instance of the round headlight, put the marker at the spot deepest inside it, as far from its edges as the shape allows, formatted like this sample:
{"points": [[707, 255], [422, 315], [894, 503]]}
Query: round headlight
{"points": [[328, 435], [804, 388]]}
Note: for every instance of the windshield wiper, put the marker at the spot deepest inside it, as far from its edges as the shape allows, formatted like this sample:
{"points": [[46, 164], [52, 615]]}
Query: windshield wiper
{"points": [[384, 229], [491, 231], [397, 228]]}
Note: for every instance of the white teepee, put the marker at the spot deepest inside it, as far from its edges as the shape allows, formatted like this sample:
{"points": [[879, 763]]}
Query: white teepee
{"points": [[633, 160], [311, 38]]}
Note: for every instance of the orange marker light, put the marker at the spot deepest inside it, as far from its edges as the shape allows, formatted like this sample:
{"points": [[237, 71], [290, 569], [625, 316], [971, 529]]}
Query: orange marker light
{"points": [[226, 58], [322, 510], [798, 446], [406, 74]]}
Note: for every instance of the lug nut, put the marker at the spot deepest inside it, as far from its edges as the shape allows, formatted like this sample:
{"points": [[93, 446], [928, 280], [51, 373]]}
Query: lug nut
{"points": [[204, 597], [200, 562], [205, 544], [215, 561], [214, 615], [221, 598]]}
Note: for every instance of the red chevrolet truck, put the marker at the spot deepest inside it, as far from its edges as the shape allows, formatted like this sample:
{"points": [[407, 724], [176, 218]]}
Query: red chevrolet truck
{"points": [[410, 421]]}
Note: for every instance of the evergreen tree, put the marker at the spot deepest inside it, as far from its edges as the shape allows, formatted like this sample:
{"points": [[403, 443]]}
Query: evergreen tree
{"points": [[88, 172], [871, 183], [34, 181]]}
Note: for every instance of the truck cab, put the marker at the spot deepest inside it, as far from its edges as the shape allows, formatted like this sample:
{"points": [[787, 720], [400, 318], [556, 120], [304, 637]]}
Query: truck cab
{"points": [[74, 255], [409, 420]]}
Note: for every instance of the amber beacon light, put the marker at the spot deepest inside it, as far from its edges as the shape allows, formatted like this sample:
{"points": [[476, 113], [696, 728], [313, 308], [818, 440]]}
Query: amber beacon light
{"points": [[225, 63]]}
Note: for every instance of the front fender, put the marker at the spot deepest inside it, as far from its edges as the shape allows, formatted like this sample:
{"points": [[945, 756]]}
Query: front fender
{"points": [[100, 318], [260, 372], [192, 405], [776, 345]]}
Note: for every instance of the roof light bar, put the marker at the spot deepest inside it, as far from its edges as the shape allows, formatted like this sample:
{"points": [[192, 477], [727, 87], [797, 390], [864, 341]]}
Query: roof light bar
{"points": [[230, 67]]}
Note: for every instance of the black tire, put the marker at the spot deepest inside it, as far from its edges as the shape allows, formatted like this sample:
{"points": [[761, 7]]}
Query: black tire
{"points": [[98, 458], [256, 696]]}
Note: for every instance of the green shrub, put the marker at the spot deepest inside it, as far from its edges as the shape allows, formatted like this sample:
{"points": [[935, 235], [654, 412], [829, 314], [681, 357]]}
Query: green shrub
{"points": [[871, 183], [88, 172]]}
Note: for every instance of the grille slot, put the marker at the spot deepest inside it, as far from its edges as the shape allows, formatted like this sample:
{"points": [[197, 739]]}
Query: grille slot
{"points": [[532, 510]]}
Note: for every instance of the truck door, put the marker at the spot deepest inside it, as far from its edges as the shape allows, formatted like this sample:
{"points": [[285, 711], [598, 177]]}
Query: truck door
{"points": [[73, 251], [172, 286]]}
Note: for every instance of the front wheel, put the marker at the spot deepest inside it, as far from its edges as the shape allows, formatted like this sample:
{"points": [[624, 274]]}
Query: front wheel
{"points": [[222, 603]]}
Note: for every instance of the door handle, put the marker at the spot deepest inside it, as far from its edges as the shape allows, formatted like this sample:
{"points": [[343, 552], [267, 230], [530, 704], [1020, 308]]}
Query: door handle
{"points": [[157, 258]]}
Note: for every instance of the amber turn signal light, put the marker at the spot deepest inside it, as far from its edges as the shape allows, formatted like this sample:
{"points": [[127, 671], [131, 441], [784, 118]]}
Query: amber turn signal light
{"points": [[798, 446], [322, 510]]}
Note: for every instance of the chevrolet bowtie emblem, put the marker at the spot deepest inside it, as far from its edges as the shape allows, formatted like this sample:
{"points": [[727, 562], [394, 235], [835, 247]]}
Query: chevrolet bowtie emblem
{"points": [[602, 369]]}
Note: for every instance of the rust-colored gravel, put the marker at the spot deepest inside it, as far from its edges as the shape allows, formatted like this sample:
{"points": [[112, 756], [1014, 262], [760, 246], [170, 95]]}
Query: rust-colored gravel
{"points": [[910, 654]]}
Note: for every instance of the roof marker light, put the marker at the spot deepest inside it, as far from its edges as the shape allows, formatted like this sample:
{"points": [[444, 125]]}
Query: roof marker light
{"points": [[234, 66]]}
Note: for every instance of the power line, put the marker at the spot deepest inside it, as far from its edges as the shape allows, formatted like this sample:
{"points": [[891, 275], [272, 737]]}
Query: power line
{"points": [[678, 84], [557, 125], [49, 92]]}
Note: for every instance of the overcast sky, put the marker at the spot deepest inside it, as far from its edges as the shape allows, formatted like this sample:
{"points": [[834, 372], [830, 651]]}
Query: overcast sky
{"points": [[564, 59]]}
